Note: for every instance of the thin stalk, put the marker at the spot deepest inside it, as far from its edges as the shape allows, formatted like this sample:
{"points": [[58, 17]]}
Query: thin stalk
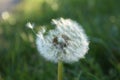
{"points": [[60, 70]]}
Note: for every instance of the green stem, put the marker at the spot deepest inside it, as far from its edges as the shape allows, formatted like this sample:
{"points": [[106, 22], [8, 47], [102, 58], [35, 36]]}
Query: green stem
{"points": [[60, 70]]}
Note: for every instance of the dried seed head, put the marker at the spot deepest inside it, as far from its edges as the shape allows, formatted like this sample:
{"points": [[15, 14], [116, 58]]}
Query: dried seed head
{"points": [[67, 42]]}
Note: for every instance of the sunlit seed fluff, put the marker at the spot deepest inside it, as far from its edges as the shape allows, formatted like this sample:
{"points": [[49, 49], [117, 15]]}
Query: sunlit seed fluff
{"points": [[29, 25], [67, 42]]}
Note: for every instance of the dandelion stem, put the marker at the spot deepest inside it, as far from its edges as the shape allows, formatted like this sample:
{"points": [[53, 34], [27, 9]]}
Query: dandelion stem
{"points": [[60, 70]]}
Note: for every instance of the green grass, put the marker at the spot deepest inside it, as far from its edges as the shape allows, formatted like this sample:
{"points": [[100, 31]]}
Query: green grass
{"points": [[19, 59]]}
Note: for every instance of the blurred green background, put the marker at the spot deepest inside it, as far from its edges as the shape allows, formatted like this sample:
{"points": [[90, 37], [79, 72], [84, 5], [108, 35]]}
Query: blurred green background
{"points": [[20, 60]]}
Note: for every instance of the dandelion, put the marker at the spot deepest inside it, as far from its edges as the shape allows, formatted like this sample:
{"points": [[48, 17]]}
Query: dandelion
{"points": [[66, 43]]}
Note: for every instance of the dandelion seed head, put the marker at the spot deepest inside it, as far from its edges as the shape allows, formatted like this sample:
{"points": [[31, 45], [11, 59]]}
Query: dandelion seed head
{"points": [[67, 42]]}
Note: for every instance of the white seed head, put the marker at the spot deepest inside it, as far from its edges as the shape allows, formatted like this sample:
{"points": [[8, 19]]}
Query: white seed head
{"points": [[67, 42]]}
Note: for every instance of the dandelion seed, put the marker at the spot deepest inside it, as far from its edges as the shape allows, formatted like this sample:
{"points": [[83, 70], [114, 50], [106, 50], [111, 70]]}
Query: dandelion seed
{"points": [[29, 25], [67, 42]]}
